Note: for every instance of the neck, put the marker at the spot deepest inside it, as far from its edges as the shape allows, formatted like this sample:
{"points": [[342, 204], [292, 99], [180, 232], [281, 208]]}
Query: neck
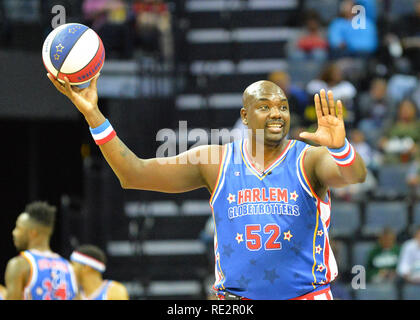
{"points": [[271, 151], [40, 245], [91, 283]]}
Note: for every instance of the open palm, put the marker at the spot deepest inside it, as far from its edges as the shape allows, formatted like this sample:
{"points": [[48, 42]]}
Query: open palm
{"points": [[331, 131]]}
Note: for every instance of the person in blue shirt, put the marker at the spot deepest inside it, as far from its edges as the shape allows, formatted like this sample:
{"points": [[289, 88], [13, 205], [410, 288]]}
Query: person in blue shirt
{"points": [[348, 36], [38, 273], [269, 195], [89, 262]]}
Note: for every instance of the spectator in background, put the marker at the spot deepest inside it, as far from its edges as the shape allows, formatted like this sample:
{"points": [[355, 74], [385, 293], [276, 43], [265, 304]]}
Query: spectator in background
{"points": [[370, 8], [400, 138], [409, 263], [347, 41], [383, 258], [375, 110], [331, 78], [338, 287], [111, 20], [413, 176], [153, 27], [298, 98], [311, 44], [407, 29]]}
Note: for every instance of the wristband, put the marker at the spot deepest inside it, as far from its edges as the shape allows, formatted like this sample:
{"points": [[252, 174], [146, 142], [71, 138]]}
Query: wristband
{"points": [[88, 261], [343, 156], [103, 133]]}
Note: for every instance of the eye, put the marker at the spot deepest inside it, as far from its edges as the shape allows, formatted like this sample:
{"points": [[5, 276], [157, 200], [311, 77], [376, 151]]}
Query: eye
{"points": [[264, 107]]}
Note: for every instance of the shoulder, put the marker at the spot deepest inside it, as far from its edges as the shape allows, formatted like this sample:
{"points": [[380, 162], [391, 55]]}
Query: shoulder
{"points": [[18, 263], [17, 266], [337, 22], [314, 153], [117, 291]]}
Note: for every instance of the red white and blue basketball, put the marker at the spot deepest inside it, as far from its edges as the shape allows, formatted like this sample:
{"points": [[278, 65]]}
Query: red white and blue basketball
{"points": [[75, 51]]}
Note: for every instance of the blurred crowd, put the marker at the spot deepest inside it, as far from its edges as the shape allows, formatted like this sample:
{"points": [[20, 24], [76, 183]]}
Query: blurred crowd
{"points": [[370, 63], [127, 25]]}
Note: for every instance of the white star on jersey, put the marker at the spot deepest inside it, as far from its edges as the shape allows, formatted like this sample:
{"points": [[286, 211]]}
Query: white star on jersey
{"points": [[231, 198], [294, 195]]}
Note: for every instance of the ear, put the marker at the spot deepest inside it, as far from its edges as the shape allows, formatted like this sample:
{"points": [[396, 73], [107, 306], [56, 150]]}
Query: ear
{"points": [[244, 116]]}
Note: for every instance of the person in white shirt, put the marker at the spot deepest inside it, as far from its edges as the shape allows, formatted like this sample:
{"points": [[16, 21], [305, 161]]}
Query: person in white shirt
{"points": [[409, 263]]}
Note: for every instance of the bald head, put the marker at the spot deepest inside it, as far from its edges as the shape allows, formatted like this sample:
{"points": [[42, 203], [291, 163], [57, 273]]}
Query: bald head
{"points": [[261, 88]]}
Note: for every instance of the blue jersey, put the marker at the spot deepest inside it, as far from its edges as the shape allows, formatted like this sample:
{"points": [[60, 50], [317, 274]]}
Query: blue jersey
{"points": [[271, 229], [101, 293], [52, 277]]}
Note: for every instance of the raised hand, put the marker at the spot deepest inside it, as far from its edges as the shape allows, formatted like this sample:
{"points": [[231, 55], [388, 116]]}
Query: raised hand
{"points": [[85, 99], [331, 131]]}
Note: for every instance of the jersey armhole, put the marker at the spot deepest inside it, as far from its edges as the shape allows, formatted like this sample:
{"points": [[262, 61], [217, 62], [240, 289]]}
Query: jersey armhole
{"points": [[29, 282], [219, 174], [306, 181]]}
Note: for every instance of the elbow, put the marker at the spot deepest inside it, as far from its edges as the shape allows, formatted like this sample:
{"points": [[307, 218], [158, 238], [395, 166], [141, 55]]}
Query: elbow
{"points": [[125, 184], [361, 177]]}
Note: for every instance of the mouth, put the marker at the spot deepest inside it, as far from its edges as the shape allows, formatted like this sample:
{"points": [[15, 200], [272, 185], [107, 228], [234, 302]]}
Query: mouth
{"points": [[275, 127]]}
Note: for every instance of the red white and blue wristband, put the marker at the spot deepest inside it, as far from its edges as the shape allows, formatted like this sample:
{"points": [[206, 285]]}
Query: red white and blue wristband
{"points": [[87, 261], [343, 156], [104, 133]]}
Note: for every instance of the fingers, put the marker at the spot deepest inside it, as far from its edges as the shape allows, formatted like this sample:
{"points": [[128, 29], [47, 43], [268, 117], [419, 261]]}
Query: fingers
{"points": [[324, 104], [339, 110], [67, 86], [62, 88], [94, 81], [331, 103], [56, 84], [318, 106]]}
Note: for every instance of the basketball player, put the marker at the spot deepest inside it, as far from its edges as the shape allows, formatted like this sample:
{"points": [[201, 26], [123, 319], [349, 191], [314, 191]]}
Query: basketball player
{"points": [[271, 208], [89, 263], [37, 273]]}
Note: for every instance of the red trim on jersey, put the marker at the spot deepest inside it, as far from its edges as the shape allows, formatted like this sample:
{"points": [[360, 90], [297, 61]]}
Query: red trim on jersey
{"points": [[248, 158], [312, 295], [305, 176]]}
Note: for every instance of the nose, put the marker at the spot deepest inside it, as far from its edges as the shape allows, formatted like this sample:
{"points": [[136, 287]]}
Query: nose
{"points": [[275, 113]]}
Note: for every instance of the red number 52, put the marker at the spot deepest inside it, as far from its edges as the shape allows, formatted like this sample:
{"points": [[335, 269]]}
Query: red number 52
{"points": [[253, 237]]}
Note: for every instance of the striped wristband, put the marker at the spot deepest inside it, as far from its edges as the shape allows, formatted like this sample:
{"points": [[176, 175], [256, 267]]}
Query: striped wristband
{"points": [[103, 133], [343, 156]]}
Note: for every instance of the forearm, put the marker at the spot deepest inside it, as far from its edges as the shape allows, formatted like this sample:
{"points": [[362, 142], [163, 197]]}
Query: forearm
{"points": [[120, 158], [349, 163], [354, 173]]}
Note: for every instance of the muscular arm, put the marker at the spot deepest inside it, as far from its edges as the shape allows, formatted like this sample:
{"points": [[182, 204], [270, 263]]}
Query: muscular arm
{"points": [[118, 292], [180, 175], [16, 277], [324, 172]]}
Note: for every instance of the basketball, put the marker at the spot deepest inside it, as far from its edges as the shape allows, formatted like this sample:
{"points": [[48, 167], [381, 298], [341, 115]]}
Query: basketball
{"points": [[75, 51]]}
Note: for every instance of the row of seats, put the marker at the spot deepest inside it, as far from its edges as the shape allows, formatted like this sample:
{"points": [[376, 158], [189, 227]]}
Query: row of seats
{"points": [[387, 292], [350, 218]]}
